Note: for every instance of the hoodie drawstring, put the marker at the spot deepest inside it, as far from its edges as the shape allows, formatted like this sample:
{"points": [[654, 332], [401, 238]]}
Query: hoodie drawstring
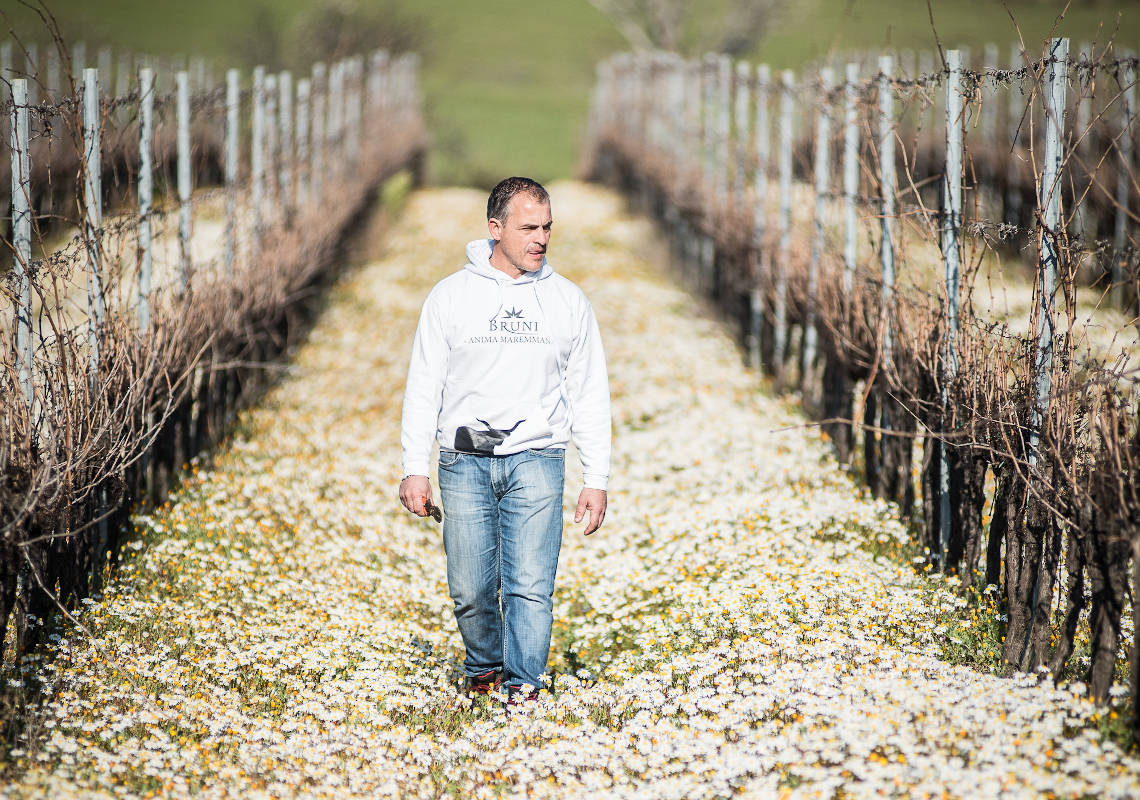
{"points": [[499, 288]]}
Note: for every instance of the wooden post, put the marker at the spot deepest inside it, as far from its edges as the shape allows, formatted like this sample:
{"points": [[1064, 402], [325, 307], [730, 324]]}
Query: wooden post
{"points": [[93, 237], [989, 91], [1126, 75], [271, 177], [647, 100], [787, 110], [741, 109], [320, 110], [7, 74], [146, 192], [1048, 249], [951, 259], [675, 117], [355, 73], [929, 115], [257, 155], [197, 70], [233, 123], [708, 136], [93, 206], [285, 145], [376, 68], [303, 167], [627, 90], [908, 61], [822, 169], [762, 137], [22, 232], [723, 131], [32, 70], [185, 185], [53, 78], [123, 76], [103, 62], [887, 199], [850, 177], [1084, 103], [694, 118], [1016, 101], [1084, 222], [335, 130]]}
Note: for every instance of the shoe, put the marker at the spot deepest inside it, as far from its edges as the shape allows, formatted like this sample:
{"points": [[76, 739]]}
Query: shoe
{"points": [[483, 684]]}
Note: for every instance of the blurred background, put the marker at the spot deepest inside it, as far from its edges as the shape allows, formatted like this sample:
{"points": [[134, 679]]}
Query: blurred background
{"points": [[507, 82]]}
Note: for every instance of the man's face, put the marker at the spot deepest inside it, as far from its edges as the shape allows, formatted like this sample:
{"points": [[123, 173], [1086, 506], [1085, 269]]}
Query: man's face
{"points": [[520, 242]]}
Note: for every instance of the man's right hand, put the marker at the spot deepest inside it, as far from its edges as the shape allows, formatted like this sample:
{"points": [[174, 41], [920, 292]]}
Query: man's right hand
{"points": [[414, 491]]}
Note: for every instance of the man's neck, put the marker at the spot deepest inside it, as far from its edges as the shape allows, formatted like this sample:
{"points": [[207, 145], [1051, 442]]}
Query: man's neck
{"points": [[502, 265]]}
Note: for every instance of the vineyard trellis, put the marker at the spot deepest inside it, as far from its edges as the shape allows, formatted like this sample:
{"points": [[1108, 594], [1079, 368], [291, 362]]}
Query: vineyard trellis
{"points": [[165, 243], [866, 291]]}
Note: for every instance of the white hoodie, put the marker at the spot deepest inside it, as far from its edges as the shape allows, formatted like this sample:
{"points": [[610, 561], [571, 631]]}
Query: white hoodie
{"points": [[502, 365]]}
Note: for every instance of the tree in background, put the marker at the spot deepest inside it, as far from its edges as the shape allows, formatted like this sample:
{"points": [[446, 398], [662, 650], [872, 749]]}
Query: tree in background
{"points": [[328, 31], [676, 26]]}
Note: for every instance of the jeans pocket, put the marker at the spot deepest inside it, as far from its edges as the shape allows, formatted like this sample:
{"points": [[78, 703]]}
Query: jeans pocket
{"points": [[449, 458]]}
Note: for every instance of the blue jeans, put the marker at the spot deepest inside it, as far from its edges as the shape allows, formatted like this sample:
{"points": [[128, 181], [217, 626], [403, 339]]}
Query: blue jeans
{"points": [[502, 530]]}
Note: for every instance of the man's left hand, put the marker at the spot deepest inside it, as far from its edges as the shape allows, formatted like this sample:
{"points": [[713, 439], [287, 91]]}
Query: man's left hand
{"points": [[594, 502]]}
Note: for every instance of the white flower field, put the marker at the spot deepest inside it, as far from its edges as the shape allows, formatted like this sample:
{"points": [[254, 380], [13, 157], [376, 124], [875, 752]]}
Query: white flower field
{"points": [[282, 628]]}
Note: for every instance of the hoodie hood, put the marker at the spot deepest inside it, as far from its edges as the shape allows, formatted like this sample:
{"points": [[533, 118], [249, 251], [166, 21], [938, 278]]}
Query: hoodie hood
{"points": [[479, 261]]}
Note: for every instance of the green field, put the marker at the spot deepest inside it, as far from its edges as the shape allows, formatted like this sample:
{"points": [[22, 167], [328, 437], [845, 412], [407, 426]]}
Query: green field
{"points": [[507, 83]]}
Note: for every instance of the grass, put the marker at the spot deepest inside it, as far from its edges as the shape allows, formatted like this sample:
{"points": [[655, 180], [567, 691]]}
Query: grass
{"points": [[809, 31], [975, 635], [507, 85]]}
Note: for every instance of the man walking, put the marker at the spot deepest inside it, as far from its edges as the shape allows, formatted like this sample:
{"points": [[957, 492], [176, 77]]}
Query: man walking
{"points": [[507, 366]]}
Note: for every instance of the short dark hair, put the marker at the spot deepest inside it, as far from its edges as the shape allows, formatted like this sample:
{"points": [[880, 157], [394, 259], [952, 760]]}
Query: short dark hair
{"points": [[506, 189]]}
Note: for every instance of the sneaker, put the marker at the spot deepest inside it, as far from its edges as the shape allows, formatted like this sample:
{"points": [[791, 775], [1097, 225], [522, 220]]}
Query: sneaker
{"points": [[483, 684]]}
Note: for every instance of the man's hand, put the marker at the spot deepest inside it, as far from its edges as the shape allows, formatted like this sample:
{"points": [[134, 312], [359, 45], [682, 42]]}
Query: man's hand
{"points": [[594, 501], [415, 490]]}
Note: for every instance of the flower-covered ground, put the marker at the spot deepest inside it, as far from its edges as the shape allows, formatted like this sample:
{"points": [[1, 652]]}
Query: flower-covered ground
{"points": [[284, 629]]}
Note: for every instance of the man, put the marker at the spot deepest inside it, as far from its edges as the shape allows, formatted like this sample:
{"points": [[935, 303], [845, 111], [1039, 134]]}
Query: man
{"points": [[506, 366]]}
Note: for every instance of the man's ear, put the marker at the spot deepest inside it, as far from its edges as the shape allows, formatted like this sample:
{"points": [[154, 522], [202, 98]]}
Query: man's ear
{"points": [[496, 229]]}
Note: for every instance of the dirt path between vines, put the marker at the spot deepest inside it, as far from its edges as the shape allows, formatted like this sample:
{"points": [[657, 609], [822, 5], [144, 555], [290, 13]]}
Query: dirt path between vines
{"points": [[284, 629]]}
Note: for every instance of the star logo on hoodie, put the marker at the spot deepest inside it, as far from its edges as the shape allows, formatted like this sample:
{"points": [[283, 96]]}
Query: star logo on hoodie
{"points": [[512, 321]]}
